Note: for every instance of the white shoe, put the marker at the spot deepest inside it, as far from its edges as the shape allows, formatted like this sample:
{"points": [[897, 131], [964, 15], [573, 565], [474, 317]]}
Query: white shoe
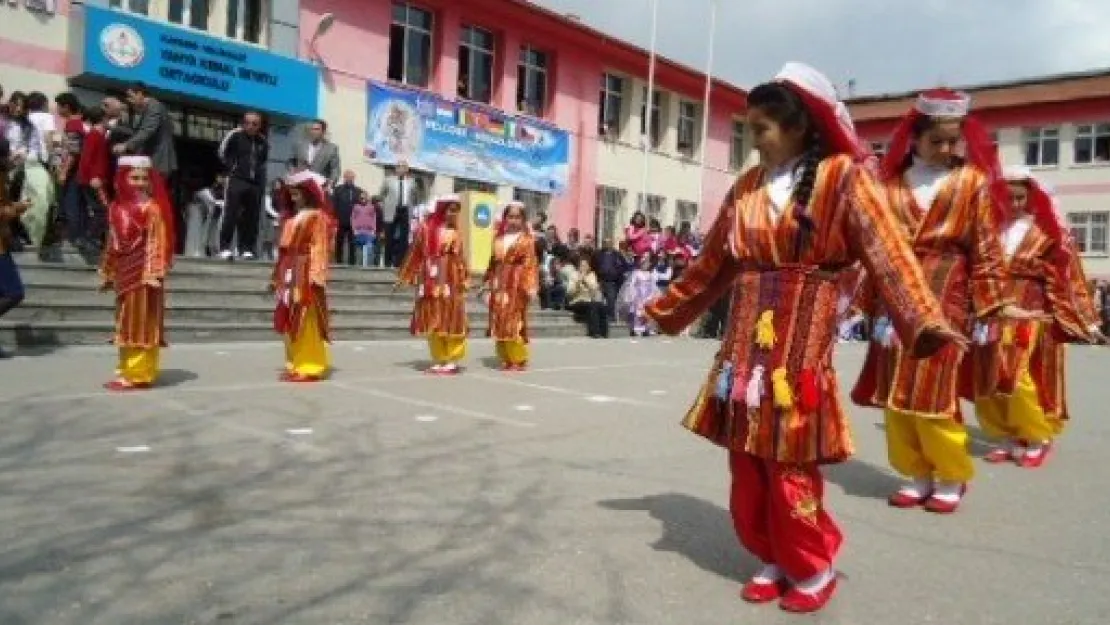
{"points": [[246, 256], [227, 255]]}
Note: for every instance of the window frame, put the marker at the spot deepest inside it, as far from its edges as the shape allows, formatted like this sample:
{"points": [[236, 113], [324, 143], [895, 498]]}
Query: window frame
{"points": [[1082, 226], [691, 126], [738, 143], [535, 202], [656, 127], [408, 28], [610, 210], [1040, 136], [603, 116], [473, 51], [525, 68], [1091, 132]]}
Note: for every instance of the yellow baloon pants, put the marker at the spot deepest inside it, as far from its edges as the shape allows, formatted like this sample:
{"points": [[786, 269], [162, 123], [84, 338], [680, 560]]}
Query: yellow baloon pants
{"points": [[447, 349], [138, 365], [512, 352], [307, 355], [1017, 416], [925, 449]]}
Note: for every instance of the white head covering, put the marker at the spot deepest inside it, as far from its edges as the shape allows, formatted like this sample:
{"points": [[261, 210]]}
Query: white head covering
{"points": [[304, 176], [450, 197], [135, 161], [942, 103], [822, 93], [1017, 173]]}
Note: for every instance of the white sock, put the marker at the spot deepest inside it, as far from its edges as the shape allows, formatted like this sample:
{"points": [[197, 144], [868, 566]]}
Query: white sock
{"points": [[817, 583], [948, 492], [917, 488], [769, 574], [1035, 450]]}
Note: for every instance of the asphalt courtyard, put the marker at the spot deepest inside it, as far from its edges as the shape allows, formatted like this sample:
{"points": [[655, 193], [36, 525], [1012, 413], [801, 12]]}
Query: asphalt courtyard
{"points": [[565, 495]]}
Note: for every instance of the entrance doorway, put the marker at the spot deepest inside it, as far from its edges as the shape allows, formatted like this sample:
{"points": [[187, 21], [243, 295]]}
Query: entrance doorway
{"points": [[197, 136]]}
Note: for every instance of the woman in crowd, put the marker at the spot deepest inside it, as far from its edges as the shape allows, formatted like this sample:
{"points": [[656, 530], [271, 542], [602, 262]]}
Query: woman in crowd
{"points": [[1017, 367], [637, 236], [784, 235], [29, 157], [135, 263], [587, 299], [947, 208], [11, 286], [512, 281], [436, 265], [300, 277]]}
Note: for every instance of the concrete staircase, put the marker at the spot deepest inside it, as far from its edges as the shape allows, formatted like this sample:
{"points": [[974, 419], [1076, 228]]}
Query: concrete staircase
{"points": [[216, 301]]}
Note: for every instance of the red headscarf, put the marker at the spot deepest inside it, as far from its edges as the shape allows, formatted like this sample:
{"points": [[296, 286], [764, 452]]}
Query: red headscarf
{"points": [[126, 216], [504, 223], [435, 222], [979, 149], [831, 116], [311, 185], [1042, 206]]}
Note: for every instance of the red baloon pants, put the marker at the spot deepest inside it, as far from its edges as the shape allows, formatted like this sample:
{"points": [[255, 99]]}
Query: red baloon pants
{"points": [[779, 515]]}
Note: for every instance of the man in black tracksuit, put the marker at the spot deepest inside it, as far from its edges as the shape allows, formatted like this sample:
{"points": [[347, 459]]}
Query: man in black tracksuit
{"points": [[244, 152]]}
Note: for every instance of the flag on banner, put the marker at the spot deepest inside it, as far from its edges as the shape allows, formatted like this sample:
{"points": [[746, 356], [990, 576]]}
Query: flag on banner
{"points": [[425, 107], [444, 111]]}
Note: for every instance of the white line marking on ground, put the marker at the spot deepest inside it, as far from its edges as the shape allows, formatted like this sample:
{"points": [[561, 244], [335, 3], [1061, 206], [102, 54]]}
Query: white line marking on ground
{"points": [[524, 408], [221, 353], [658, 393], [421, 403], [602, 399], [174, 404], [561, 390], [299, 431], [427, 418], [359, 348], [136, 449]]}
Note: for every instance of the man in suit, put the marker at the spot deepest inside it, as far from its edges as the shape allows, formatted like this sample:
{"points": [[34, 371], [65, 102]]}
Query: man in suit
{"points": [[400, 193], [152, 131], [344, 199], [320, 155]]}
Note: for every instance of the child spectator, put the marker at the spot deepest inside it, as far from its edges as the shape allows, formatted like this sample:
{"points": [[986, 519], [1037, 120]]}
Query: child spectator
{"points": [[364, 224]]}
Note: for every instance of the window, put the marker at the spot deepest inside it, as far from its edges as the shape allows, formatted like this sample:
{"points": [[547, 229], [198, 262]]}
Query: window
{"points": [[244, 20], [462, 185], [610, 205], [531, 85], [1089, 230], [737, 152], [687, 127], [141, 7], [410, 45], [656, 127], [535, 203], [1092, 143], [994, 141], [476, 64], [652, 206], [685, 213], [609, 113], [1042, 147], [191, 13], [878, 148]]}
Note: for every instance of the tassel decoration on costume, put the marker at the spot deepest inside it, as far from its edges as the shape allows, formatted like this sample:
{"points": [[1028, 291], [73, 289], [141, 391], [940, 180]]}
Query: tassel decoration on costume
{"points": [[753, 395], [724, 382], [1007, 334], [765, 330], [784, 396], [883, 332], [1024, 335], [809, 395], [296, 295]]}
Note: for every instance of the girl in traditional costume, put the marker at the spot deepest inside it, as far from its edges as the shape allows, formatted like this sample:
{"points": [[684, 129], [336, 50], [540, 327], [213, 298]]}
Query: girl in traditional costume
{"points": [[1017, 367], [639, 288], [946, 207], [436, 265], [512, 281], [300, 277], [135, 263], [787, 231]]}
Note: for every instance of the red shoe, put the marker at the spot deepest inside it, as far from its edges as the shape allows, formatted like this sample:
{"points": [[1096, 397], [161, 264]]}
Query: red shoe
{"points": [[1035, 462], [120, 385], [762, 592], [999, 455], [297, 378], [799, 602], [905, 500], [521, 367], [507, 366], [450, 370], [433, 370], [939, 506]]}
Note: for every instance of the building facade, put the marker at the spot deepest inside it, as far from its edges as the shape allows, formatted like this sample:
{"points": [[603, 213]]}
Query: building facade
{"points": [[1059, 126], [490, 95]]}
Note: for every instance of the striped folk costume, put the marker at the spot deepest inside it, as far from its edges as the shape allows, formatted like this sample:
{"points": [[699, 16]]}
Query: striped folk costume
{"points": [[948, 213], [1016, 373], [513, 282], [771, 397], [135, 262], [300, 277], [436, 265]]}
